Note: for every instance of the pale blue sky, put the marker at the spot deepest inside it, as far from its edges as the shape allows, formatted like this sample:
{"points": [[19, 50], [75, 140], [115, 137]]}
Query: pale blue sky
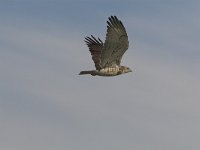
{"points": [[45, 105]]}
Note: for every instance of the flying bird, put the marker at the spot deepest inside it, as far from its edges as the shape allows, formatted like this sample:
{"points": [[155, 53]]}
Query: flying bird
{"points": [[107, 56]]}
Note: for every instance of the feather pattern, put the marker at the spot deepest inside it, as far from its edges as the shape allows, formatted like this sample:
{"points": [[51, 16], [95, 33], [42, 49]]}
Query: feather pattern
{"points": [[95, 48], [116, 42]]}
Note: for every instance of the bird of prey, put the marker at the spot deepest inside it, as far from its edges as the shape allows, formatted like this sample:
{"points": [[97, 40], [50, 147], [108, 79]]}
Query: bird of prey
{"points": [[107, 56]]}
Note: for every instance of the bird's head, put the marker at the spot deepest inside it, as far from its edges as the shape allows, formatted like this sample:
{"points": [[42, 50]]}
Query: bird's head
{"points": [[125, 69]]}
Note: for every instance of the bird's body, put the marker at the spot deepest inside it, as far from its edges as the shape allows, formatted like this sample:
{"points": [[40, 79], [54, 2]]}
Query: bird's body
{"points": [[107, 56], [108, 71]]}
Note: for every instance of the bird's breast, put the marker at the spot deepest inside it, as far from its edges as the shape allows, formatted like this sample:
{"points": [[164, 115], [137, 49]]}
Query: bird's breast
{"points": [[110, 70]]}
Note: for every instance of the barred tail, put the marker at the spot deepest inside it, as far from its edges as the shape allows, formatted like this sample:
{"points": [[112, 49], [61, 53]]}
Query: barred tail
{"points": [[87, 72]]}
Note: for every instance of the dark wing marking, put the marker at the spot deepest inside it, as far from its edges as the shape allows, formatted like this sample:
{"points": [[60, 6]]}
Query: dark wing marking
{"points": [[95, 48], [116, 42]]}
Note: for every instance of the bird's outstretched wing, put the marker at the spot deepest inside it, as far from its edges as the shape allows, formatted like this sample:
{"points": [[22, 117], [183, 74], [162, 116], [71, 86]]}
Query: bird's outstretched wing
{"points": [[95, 47], [116, 42]]}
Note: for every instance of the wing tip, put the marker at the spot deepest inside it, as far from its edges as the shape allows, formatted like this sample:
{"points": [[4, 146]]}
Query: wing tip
{"points": [[93, 41]]}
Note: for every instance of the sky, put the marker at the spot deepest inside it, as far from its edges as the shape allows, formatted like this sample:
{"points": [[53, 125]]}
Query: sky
{"points": [[46, 105]]}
